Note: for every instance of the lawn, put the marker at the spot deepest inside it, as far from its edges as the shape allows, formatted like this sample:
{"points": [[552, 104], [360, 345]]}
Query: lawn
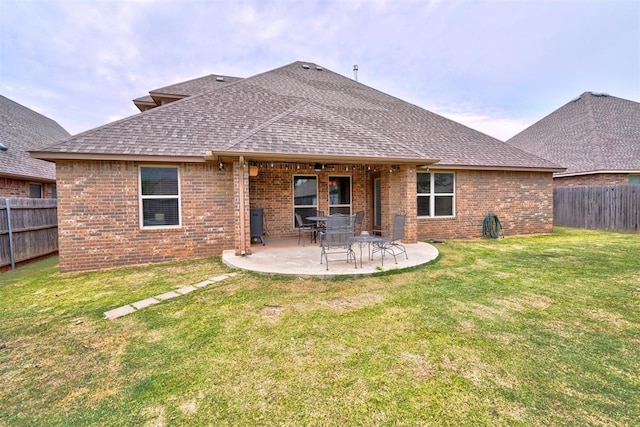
{"points": [[537, 330]]}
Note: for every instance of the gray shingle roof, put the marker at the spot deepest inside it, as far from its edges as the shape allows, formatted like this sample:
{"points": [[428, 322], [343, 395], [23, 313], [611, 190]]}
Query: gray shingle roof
{"points": [[22, 129], [196, 86], [299, 111], [592, 133]]}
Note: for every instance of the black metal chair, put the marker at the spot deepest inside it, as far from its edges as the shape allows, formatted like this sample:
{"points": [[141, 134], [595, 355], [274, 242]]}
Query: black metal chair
{"points": [[337, 238], [390, 244], [357, 228], [304, 228]]}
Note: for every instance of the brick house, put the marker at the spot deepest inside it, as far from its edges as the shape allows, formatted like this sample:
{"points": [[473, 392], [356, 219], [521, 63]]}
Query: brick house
{"points": [[178, 180], [595, 136], [22, 129]]}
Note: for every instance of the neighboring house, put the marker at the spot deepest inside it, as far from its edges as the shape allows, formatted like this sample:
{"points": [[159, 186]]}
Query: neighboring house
{"points": [[595, 136], [179, 180], [21, 130], [167, 94]]}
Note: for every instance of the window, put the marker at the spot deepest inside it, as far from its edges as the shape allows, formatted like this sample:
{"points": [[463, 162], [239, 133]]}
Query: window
{"points": [[436, 194], [634, 179], [54, 192], [339, 195], [159, 197], [305, 196], [35, 191]]}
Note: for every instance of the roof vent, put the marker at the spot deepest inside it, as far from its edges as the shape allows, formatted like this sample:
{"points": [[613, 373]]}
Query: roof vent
{"points": [[599, 94], [219, 79], [3, 147], [319, 68], [305, 66]]}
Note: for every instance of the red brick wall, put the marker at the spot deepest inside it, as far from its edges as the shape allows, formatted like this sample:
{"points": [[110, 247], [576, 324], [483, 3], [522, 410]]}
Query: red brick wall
{"points": [[10, 187], [523, 202], [98, 216], [98, 208], [594, 179]]}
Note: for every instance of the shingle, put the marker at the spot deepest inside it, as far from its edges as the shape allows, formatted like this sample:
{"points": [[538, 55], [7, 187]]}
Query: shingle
{"points": [[293, 110], [22, 129], [589, 134]]}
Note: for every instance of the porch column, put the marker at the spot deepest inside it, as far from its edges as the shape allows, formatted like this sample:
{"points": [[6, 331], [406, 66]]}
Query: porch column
{"points": [[242, 234], [402, 198]]}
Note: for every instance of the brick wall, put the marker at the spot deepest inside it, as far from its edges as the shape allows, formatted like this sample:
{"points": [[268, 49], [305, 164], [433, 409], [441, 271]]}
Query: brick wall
{"points": [[523, 201], [98, 208], [594, 179], [98, 216], [10, 187]]}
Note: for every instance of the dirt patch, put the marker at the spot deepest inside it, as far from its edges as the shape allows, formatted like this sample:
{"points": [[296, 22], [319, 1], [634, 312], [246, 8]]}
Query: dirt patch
{"points": [[189, 407], [271, 311], [419, 365]]}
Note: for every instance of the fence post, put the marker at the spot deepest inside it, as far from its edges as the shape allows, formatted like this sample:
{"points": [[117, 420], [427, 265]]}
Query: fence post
{"points": [[11, 254]]}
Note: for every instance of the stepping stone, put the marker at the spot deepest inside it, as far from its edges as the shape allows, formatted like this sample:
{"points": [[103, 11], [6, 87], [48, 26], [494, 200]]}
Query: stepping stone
{"points": [[167, 295], [185, 290], [145, 303], [203, 284], [119, 312]]}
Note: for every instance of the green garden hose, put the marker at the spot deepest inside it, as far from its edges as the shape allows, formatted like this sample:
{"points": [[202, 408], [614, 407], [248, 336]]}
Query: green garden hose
{"points": [[491, 226]]}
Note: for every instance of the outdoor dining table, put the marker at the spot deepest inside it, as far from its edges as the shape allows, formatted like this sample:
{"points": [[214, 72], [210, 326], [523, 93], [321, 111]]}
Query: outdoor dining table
{"points": [[366, 239], [317, 219]]}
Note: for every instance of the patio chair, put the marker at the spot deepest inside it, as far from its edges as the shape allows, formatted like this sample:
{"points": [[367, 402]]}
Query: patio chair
{"points": [[357, 228], [304, 228], [336, 238], [390, 244]]}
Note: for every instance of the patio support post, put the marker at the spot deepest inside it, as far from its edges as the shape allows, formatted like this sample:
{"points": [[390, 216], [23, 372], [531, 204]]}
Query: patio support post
{"points": [[242, 206]]}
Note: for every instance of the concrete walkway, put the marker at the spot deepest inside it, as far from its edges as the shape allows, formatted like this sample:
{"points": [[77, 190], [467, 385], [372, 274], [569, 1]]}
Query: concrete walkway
{"points": [[286, 257], [138, 305]]}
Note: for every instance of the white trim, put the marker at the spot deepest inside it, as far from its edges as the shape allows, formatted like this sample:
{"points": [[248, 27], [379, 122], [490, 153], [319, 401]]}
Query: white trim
{"points": [[432, 195], [440, 167], [164, 196]]}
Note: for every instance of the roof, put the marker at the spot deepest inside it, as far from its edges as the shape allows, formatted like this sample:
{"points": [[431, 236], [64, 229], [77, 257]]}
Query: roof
{"points": [[591, 134], [22, 129], [300, 110], [184, 89]]}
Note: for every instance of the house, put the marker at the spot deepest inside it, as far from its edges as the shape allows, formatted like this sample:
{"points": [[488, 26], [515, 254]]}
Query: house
{"points": [[22, 129], [178, 180], [167, 94], [595, 136]]}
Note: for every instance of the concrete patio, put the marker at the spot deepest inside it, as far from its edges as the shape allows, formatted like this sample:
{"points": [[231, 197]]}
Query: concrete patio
{"points": [[286, 257]]}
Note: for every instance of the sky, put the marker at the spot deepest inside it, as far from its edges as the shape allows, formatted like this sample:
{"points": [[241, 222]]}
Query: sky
{"points": [[495, 66]]}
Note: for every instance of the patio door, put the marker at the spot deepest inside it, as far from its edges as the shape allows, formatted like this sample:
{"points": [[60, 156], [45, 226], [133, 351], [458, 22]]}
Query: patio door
{"points": [[377, 204]]}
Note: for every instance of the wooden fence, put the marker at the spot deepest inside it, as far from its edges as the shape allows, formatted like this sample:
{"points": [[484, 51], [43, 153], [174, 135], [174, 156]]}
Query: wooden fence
{"points": [[28, 229], [611, 207]]}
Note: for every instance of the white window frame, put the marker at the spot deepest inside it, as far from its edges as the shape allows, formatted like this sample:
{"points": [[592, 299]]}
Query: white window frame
{"points": [[342, 205], [293, 195], [432, 195], [142, 197]]}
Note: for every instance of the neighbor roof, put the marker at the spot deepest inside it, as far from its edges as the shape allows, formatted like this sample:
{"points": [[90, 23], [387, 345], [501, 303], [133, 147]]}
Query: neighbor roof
{"points": [[184, 89], [22, 129], [300, 110], [594, 133]]}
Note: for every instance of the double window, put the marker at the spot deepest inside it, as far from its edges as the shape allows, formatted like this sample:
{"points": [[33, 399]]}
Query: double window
{"points": [[159, 197], [436, 194]]}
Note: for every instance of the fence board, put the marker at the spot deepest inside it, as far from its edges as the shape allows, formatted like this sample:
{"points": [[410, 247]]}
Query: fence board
{"points": [[34, 227], [611, 207]]}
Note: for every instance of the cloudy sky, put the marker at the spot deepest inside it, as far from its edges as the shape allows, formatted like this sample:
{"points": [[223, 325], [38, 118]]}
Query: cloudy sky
{"points": [[496, 66]]}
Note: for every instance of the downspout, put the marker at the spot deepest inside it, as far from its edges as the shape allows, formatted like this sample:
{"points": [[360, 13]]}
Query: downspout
{"points": [[243, 232]]}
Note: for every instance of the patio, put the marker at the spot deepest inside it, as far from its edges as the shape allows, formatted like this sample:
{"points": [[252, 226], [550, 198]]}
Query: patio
{"points": [[284, 256]]}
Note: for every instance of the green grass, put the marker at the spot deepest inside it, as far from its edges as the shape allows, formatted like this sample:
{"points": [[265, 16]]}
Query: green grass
{"points": [[540, 330]]}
